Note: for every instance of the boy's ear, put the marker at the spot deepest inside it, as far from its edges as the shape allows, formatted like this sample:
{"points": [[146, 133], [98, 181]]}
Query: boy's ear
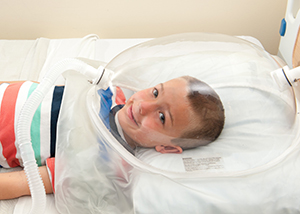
{"points": [[168, 149]]}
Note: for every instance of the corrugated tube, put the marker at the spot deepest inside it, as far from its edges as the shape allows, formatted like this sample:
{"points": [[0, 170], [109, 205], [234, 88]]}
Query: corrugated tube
{"points": [[35, 182]]}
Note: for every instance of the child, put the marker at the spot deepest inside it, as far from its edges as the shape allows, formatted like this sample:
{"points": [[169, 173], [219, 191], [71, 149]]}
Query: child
{"points": [[179, 114]]}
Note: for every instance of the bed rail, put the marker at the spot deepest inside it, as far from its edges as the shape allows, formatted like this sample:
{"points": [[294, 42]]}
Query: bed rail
{"points": [[289, 47]]}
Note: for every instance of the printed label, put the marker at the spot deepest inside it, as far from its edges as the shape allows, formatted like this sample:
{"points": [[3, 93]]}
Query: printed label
{"points": [[203, 163]]}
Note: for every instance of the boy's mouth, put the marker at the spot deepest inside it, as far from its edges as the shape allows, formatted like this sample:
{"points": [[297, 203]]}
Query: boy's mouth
{"points": [[130, 115]]}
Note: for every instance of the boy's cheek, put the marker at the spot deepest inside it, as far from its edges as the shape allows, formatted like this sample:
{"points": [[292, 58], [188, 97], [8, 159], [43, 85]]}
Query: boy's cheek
{"points": [[139, 95], [150, 124], [143, 137], [153, 137]]}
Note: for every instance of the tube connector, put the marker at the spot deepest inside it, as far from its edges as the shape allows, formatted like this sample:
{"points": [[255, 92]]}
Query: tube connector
{"points": [[92, 73], [281, 78], [103, 81], [286, 77], [293, 75]]}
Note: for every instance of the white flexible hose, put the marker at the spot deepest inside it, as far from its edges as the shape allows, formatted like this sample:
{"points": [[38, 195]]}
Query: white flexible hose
{"points": [[23, 127]]}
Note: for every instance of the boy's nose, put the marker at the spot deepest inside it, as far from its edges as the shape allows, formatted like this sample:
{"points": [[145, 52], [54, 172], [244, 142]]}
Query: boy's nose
{"points": [[146, 107]]}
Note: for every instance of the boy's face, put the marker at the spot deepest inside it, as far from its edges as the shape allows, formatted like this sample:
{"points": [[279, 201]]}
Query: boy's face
{"points": [[154, 116]]}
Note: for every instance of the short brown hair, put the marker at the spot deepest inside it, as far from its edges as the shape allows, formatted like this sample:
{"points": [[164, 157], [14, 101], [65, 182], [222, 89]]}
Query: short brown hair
{"points": [[208, 112]]}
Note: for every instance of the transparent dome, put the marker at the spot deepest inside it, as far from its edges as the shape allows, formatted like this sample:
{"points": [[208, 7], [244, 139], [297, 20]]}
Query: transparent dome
{"points": [[102, 174]]}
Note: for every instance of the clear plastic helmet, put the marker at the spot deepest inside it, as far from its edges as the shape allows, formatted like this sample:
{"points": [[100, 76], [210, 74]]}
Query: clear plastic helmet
{"points": [[108, 152]]}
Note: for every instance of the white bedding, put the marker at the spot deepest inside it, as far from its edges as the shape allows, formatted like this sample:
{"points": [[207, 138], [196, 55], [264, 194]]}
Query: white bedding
{"points": [[31, 59]]}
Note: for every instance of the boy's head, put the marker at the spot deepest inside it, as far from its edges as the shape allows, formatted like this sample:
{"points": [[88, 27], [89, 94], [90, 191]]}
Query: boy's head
{"points": [[179, 114]]}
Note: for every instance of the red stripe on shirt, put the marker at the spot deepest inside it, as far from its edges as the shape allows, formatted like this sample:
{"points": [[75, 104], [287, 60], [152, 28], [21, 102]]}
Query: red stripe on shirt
{"points": [[120, 97], [50, 162], [7, 115]]}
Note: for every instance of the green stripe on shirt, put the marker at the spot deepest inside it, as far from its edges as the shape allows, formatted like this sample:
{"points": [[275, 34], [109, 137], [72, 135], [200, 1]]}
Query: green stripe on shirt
{"points": [[35, 129]]}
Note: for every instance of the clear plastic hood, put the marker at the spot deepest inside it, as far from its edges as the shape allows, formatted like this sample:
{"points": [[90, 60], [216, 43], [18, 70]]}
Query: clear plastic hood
{"points": [[103, 167]]}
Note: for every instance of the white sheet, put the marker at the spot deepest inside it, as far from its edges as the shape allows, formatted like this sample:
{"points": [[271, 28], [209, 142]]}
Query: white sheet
{"points": [[22, 59]]}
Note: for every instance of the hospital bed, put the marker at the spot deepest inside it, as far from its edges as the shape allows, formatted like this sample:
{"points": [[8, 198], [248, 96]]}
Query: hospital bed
{"points": [[31, 59]]}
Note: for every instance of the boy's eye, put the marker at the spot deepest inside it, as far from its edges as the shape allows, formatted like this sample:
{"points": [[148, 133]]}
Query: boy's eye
{"points": [[162, 118], [155, 92]]}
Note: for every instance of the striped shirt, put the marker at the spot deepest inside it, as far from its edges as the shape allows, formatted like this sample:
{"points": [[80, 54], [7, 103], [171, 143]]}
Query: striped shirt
{"points": [[44, 123], [43, 127]]}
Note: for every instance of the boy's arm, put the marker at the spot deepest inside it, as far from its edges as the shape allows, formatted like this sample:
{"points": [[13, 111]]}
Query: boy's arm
{"points": [[14, 184]]}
